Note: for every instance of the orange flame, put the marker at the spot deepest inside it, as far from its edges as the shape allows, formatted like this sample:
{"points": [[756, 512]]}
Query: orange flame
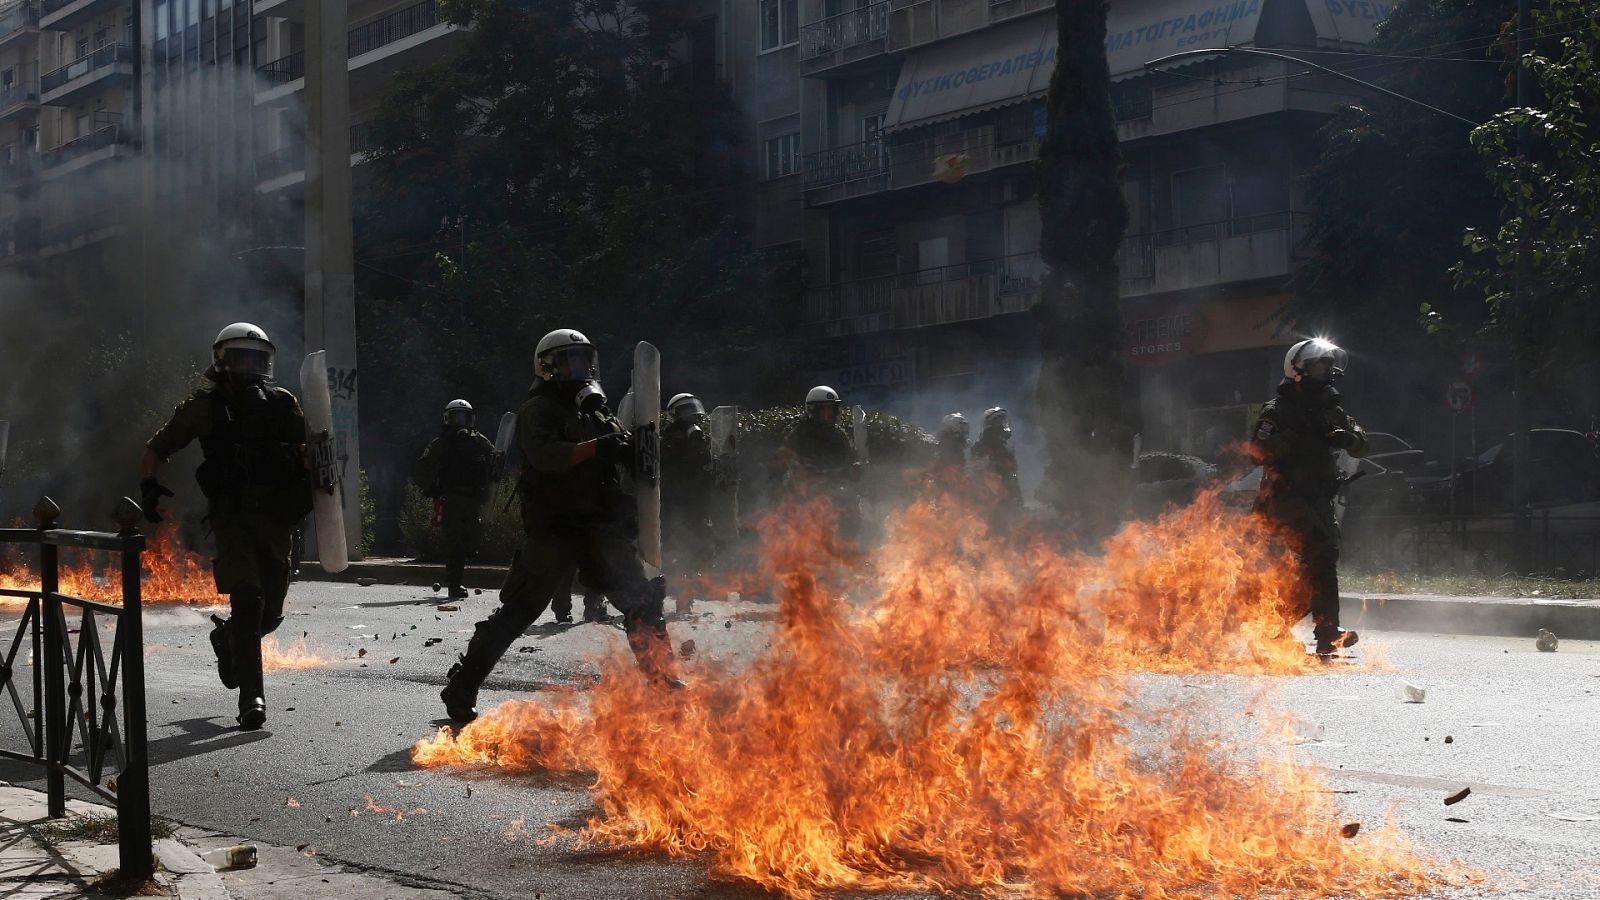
{"points": [[171, 574], [969, 725], [295, 656]]}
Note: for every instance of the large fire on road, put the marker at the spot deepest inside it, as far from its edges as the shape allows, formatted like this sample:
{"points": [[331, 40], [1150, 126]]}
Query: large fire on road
{"points": [[171, 573], [971, 724]]}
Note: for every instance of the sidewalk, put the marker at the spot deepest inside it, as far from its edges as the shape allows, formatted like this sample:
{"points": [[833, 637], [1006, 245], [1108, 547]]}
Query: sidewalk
{"points": [[1429, 613], [36, 864]]}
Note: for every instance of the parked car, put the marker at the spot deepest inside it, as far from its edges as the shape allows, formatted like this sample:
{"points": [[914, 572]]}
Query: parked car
{"points": [[1168, 479], [1395, 454], [1376, 485], [1563, 467]]}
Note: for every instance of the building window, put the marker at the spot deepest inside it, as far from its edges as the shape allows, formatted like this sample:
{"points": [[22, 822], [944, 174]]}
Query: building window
{"points": [[83, 48], [102, 36], [8, 78], [161, 20], [783, 155], [871, 128], [780, 23]]}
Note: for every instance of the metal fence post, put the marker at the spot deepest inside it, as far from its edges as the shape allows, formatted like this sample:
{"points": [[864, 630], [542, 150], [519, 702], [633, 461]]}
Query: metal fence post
{"points": [[54, 720], [133, 784]]}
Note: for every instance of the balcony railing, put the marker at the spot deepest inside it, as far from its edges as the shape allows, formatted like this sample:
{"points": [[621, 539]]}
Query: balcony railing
{"points": [[868, 159], [105, 57], [18, 17], [284, 69], [1236, 249], [17, 93], [100, 138], [845, 30], [393, 27], [937, 296], [916, 22]]}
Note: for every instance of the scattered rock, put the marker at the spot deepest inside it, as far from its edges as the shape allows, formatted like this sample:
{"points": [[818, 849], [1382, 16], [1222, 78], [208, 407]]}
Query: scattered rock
{"points": [[366, 582], [1351, 829], [393, 661], [686, 650], [361, 652], [728, 624], [1412, 693], [1449, 740], [431, 641], [1458, 796], [478, 591], [436, 585], [1546, 641]]}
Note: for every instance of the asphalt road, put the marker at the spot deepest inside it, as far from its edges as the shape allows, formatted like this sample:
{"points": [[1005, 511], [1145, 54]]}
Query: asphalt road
{"points": [[1522, 723]]}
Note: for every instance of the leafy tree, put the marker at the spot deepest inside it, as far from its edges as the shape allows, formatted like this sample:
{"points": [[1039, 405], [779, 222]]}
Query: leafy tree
{"points": [[550, 176], [1084, 396], [1393, 188], [1550, 203]]}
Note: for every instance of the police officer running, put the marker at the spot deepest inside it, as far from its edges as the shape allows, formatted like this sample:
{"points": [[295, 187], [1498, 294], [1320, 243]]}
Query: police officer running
{"points": [[456, 471], [574, 515], [255, 481], [1297, 439]]}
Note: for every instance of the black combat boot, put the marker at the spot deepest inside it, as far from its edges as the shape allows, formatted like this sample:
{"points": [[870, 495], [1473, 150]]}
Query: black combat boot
{"points": [[1331, 639], [252, 702], [222, 646], [460, 693]]}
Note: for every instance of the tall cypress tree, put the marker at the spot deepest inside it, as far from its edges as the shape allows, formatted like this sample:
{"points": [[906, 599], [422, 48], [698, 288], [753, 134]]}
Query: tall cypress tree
{"points": [[1086, 403]]}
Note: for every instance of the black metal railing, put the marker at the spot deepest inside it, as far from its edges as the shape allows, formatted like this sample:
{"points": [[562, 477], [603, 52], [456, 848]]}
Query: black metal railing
{"points": [[21, 16], [938, 295], [867, 159], [284, 69], [18, 93], [393, 27], [100, 138], [845, 30], [1560, 542], [105, 57], [73, 731]]}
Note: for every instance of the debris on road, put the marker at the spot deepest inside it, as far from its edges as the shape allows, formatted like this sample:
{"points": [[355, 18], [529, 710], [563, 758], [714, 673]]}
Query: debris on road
{"points": [[431, 641], [449, 608], [1546, 641], [361, 652], [291, 803], [1351, 829], [1574, 817], [478, 591], [364, 581], [1412, 693], [436, 585], [1458, 796], [1456, 820], [1449, 740], [393, 661], [686, 650]]}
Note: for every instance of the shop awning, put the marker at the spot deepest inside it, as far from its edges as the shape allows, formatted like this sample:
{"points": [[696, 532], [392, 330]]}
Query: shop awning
{"points": [[1138, 31], [995, 67], [1347, 23]]}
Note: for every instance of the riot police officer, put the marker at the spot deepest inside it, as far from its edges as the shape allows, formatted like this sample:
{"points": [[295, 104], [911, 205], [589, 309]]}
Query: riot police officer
{"points": [[818, 458], [574, 515], [1297, 438], [687, 482], [254, 478], [954, 434], [994, 463], [456, 471]]}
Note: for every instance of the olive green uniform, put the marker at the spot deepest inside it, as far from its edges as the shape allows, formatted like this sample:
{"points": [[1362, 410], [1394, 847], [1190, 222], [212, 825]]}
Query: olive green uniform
{"points": [[573, 517], [254, 479], [457, 469], [686, 495], [1300, 477], [821, 460]]}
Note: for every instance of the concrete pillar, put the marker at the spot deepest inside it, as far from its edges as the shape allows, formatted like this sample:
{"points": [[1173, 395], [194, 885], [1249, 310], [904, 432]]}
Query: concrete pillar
{"points": [[330, 314]]}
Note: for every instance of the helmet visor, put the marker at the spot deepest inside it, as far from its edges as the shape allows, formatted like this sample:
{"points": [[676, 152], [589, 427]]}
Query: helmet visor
{"points": [[458, 418], [691, 410], [824, 410], [243, 363], [574, 363]]}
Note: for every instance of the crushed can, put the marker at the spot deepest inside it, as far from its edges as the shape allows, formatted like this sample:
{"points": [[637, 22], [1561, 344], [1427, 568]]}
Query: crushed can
{"points": [[242, 856]]}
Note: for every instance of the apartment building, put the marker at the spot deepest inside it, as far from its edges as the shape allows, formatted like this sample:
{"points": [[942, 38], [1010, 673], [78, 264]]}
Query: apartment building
{"points": [[920, 125]]}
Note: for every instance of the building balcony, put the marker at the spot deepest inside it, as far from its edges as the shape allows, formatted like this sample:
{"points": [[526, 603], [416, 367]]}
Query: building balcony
{"points": [[285, 167], [1236, 250], [19, 22], [413, 36], [866, 168], [293, 10], [81, 231], [19, 174], [942, 296], [913, 23], [17, 99], [106, 142], [836, 42], [111, 65], [19, 237], [65, 15]]}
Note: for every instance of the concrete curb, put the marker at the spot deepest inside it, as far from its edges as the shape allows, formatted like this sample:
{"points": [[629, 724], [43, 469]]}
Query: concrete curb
{"points": [[1497, 616]]}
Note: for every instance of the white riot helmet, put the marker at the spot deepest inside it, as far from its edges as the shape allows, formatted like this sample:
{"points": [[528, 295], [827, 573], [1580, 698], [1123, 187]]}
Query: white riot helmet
{"points": [[822, 403], [566, 355], [458, 414], [243, 351], [1304, 361], [686, 408], [995, 418], [955, 426]]}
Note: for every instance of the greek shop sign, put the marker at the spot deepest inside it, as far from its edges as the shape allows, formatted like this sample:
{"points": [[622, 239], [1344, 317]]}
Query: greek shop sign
{"points": [[998, 68], [1139, 32]]}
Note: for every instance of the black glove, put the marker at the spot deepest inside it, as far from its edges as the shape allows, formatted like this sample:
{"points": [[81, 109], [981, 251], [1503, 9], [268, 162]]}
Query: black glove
{"points": [[1342, 438], [150, 493], [614, 449]]}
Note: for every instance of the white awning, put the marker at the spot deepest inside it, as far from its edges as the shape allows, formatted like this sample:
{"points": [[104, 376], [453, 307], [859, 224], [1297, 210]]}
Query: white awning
{"points": [[1138, 31], [1342, 23], [994, 67]]}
